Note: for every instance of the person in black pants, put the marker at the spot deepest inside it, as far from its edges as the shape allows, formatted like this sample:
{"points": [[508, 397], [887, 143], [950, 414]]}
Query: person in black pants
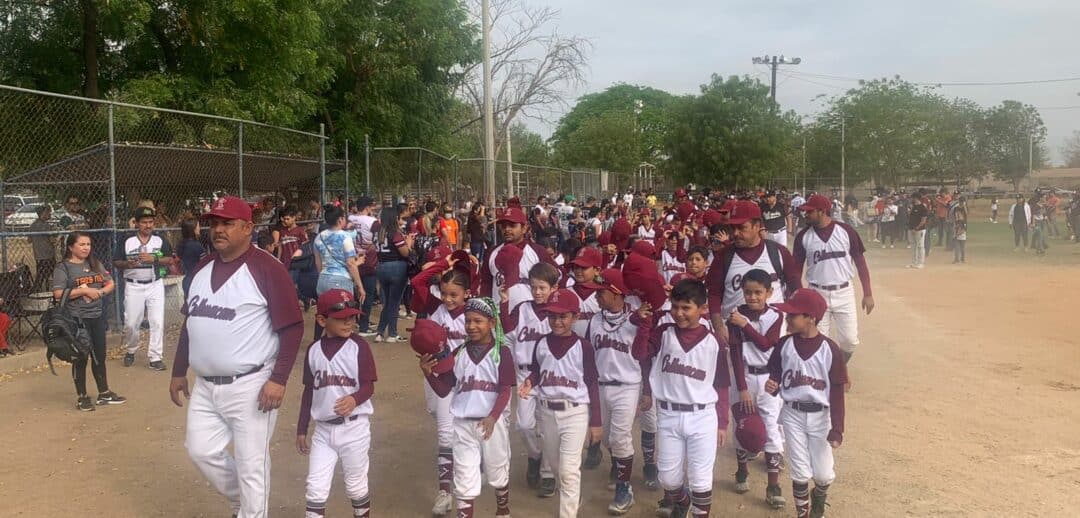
{"points": [[89, 282]]}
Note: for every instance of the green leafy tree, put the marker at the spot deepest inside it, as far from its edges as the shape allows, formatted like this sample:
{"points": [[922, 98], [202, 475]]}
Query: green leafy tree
{"points": [[1015, 140], [1071, 150], [650, 107], [608, 140]]}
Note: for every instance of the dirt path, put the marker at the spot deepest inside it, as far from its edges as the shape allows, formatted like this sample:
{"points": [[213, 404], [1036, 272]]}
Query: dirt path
{"points": [[966, 401]]}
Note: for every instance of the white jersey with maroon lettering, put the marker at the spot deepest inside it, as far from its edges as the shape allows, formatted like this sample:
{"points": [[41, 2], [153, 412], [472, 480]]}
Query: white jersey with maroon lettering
{"points": [[335, 378], [733, 292], [589, 307], [670, 266], [529, 258], [752, 355], [455, 327], [530, 328], [805, 380], [686, 377], [612, 340], [561, 379], [477, 385], [245, 338], [828, 262]]}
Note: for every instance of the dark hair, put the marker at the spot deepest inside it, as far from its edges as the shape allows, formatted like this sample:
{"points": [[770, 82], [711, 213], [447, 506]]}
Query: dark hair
{"points": [[457, 276], [570, 247], [759, 276], [547, 242], [187, 229], [700, 250], [42, 209], [264, 240], [689, 290], [289, 210], [545, 272], [594, 212], [331, 214], [429, 207], [70, 241]]}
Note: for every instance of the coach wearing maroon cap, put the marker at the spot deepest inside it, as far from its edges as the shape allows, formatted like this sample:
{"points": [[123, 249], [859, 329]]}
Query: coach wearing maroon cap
{"points": [[513, 226], [748, 251], [241, 335], [833, 251]]}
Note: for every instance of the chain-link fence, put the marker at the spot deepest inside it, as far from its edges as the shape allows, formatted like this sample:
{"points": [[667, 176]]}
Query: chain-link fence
{"points": [[69, 163]]}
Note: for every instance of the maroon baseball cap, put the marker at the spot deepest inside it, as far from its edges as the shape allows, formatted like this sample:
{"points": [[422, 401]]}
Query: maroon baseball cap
{"points": [[644, 248], [642, 278], [229, 207], [438, 253], [514, 202], [604, 238], [612, 280], [620, 233], [588, 257], [727, 207], [712, 217], [507, 263], [562, 301], [513, 214], [816, 202], [749, 429], [680, 193], [744, 210], [429, 337], [337, 303], [684, 211], [804, 301]]}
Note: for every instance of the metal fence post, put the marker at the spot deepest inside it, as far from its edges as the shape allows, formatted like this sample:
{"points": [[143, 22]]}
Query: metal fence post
{"points": [[419, 173], [347, 195], [112, 207], [3, 239], [367, 164], [322, 162], [240, 155]]}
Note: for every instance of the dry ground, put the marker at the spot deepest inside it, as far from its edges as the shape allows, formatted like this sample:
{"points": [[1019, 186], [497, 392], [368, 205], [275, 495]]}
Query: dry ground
{"points": [[966, 403]]}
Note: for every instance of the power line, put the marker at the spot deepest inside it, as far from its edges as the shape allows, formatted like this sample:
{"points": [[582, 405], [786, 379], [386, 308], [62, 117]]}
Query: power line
{"points": [[774, 62], [947, 83]]}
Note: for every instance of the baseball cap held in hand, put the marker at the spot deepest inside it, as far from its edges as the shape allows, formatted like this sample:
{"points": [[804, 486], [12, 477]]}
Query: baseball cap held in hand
{"points": [[429, 337]]}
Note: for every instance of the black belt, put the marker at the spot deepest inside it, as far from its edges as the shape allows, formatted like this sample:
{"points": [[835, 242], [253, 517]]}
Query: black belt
{"points": [[524, 367], [680, 407], [611, 383], [341, 420], [831, 288], [227, 380], [757, 370], [138, 282], [803, 406], [559, 406]]}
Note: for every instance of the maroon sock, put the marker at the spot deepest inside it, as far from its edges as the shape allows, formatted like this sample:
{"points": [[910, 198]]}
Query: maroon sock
{"points": [[361, 508], [502, 500], [623, 467], [318, 508], [700, 503], [445, 469], [801, 493], [772, 467], [648, 448], [742, 457], [465, 508], [678, 496]]}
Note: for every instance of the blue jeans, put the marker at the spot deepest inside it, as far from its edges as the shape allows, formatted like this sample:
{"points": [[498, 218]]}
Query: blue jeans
{"points": [[477, 250], [327, 283], [369, 282], [392, 280]]}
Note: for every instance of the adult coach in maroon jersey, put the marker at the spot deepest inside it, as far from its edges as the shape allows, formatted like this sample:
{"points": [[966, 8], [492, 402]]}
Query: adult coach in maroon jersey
{"points": [[241, 335]]}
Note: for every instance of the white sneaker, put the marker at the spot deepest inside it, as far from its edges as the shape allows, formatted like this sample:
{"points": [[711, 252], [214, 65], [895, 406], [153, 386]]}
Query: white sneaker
{"points": [[396, 339], [379, 339], [443, 502], [368, 334]]}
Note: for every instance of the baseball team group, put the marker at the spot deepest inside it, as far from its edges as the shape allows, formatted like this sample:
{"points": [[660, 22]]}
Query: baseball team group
{"points": [[690, 318]]}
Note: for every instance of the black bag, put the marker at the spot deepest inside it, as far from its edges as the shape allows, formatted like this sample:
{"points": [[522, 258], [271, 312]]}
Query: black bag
{"points": [[64, 338]]}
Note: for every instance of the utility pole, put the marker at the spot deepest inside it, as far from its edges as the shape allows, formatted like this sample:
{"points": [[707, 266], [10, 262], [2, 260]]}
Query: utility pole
{"points": [[1031, 149], [489, 118], [774, 62], [803, 167], [843, 151], [509, 166]]}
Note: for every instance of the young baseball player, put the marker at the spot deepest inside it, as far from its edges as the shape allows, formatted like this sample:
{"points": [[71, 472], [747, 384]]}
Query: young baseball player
{"points": [[670, 262], [808, 371], [753, 328], [454, 288], [585, 266], [564, 374], [524, 326], [620, 379], [689, 382], [697, 265], [339, 379], [480, 381]]}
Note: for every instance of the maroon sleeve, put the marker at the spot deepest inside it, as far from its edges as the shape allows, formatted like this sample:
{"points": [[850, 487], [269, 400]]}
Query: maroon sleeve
{"points": [[714, 282], [534, 369], [721, 383], [485, 276], [305, 400], [180, 361], [541, 254], [763, 342], [646, 369], [507, 379], [285, 317], [799, 252], [838, 378], [738, 365], [592, 381], [858, 251], [289, 345], [647, 333], [510, 318], [792, 271], [443, 383], [774, 365], [421, 285], [366, 361]]}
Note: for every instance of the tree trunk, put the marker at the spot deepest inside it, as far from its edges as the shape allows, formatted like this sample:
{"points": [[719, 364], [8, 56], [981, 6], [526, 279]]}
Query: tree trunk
{"points": [[89, 48]]}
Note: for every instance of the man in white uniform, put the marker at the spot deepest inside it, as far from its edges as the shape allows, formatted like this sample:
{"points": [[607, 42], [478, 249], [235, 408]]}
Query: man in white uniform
{"points": [[241, 335], [143, 258]]}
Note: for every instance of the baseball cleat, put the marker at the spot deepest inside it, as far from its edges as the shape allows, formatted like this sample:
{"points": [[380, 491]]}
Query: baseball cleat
{"points": [[592, 458], [817, 506], [774, 497], [110, 398], [532, 474], [129, 359], [157, 366], [680, 511], [443, 502], [652, 480], [741, 485], [83, 404], [624, 499], [547, 488]]}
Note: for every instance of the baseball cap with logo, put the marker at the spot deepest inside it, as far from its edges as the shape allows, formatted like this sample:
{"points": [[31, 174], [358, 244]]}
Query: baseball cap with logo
{"points": [[804, 301], [749, 429], [744, 210], [513, 214], [428, 337], [229, 207], [562, 301], [620, 233], [588, 257], [644, 248], [143, 212], [507, 264], [612, 280], [816, 202], [338, 304]]}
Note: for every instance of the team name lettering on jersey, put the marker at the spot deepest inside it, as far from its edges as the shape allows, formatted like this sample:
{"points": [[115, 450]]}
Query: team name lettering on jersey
{"points": [[821, 255], [675, 366], [528, 334], [325, 379], [199, 307], [794, 379], [471, 383], [601, 341], [550, 379]]}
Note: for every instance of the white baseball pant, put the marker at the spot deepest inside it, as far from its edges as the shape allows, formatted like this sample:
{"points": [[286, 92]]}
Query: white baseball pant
{"points": [[686, 448], [779, 237], [648, 419], [349, 441], [525, 419], [618, 406], [472, 453], [809, 454], [768, 407], [218, 414], [439, 408], [562, 436], [148, 299], [841, 321]]}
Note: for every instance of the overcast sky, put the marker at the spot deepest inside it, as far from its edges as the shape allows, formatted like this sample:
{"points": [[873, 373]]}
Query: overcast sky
{"points": [[675, 45]]}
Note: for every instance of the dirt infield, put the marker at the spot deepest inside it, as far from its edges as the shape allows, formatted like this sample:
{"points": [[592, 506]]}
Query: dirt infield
{"points": [[965, 403]]}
